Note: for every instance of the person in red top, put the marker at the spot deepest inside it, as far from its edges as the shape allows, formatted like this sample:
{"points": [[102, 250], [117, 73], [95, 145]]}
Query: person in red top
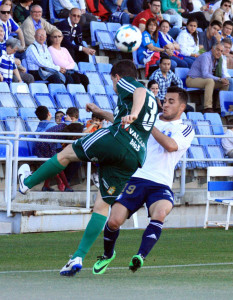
{"points": [[94, 124], [154, 11]]}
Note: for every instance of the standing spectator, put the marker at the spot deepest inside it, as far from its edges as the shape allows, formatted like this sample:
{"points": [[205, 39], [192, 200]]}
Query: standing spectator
{"points": [[227, 142], [210, 36], [62, 58], [154, 11], [165, 77], [189, 41], [171, 8], [167, 42], [188, 13], [227, 31], [10, 25], [206, 73], [34, 22], [40, 63], [73, 37], [222, 14], [21, 11]]}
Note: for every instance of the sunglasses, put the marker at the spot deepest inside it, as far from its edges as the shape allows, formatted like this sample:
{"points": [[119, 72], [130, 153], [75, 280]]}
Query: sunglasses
{"points": [[56, 36], [227, 5], [5, 12]]}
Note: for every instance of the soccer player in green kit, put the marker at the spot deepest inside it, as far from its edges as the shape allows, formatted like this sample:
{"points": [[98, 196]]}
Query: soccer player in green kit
{"points": [[119, 149]]}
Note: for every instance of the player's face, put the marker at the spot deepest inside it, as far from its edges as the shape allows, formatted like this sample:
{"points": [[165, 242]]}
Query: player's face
{"points": [[227, 30], [115, 79], [226, 48], [172, 108]]}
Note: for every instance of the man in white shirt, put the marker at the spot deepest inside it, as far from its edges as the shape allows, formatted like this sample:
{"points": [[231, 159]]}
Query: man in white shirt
{"points": [[152, 183]]}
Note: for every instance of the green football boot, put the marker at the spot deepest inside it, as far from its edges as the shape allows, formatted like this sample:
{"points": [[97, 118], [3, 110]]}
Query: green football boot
{"points": [[136, 263], [102, 263]]}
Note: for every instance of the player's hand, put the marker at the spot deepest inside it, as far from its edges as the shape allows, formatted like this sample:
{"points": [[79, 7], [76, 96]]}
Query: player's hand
{"points": [[91, 107], [128, 119]]}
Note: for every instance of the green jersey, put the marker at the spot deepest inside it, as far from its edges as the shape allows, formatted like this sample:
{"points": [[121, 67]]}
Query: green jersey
{"points": [[133, 136]]}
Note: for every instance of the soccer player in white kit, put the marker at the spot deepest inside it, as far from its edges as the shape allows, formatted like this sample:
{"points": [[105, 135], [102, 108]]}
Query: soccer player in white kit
{"points": [[152, 183]]}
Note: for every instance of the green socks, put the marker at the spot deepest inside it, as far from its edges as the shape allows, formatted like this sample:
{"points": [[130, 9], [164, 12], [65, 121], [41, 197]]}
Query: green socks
{"points": [[93, 229], [48, 170]]}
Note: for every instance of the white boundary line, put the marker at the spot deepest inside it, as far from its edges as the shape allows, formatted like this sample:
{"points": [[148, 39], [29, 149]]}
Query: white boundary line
{"points": [[126, 268]]}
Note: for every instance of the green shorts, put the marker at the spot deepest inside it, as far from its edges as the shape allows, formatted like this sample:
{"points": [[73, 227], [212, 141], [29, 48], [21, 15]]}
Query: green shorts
{"points": [[116, 163]]}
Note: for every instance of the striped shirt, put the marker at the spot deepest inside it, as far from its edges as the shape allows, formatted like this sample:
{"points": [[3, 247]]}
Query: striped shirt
{"points": [[9, 26], [7, 65]]}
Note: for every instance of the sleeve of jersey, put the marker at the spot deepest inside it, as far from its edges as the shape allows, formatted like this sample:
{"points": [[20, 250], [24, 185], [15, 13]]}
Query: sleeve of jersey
{"points": [[146, 39], [184, 137], [126, 87]]}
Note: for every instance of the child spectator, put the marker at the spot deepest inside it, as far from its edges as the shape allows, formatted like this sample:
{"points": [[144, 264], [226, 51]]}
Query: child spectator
{"points": [[59, 114], [94, 124], [72, 115]]}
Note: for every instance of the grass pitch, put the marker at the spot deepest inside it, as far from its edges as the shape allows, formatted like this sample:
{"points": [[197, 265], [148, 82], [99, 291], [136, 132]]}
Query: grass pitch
{"points": [[184, 264]]}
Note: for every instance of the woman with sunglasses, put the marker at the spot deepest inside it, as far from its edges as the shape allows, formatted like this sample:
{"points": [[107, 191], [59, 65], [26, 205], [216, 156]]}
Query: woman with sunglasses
{"points": [[61, 57]]}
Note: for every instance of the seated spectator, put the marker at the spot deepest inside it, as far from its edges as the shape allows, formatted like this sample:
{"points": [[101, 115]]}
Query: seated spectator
{"points": [[7, 61], [167, 42], [227, 31], [21, 11], [210, 36], [72, 37], [33, 23], [45, 117], [94, 124], [187, 6], [40, 63], [119, 11], [227, 142], [61, 57], [27, 78], [188, 41], [62, 8], [165, 77], [154, 11], [72, 115], [227, 43], [173, 9], [59, 114], [153, 86], [206, 73], [149, 51], [222, 14], [10, 25]]}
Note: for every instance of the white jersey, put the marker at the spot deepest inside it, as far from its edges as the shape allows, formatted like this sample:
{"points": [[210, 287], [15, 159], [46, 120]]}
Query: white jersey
{"points": [[159, 165]]}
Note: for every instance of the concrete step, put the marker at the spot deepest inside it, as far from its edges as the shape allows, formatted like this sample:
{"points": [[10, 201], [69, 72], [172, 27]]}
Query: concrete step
{"points": [[5, 228]]}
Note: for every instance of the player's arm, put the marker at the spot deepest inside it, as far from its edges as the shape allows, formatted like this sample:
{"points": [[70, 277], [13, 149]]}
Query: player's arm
{"points": [[95, 109], [139, 97], [168, 143]]}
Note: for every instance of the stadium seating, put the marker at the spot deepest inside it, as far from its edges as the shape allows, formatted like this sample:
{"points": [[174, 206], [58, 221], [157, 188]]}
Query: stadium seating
{"points": [[84, 115], [103, 101], [213, 186], [94, 77], [86, 66], [93, 27], [81, 99], [4, 87], [55, 88], [182, 74], [96, 89], [36, 88], [53, 16], [230, 72], [113, 27], [216, 125], [105, 40], [7, 112], [215, 152], [192, 115], [191, 123], [21, 92], [75, 88], [203, 128], [104, 68], [7, 100], [198, 152], [226, 103]]}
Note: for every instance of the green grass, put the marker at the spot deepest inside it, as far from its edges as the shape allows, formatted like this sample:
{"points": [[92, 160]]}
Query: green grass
{"points": [[50, 251]]}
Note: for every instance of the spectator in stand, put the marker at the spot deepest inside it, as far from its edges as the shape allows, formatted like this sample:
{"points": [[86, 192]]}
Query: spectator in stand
{"points": [[207, 73], [59, 114], [61, 57], [210, 36], [149, 51], [227, 142], [95, 123], [21, 11], [10, 25], [154, 11], [226, 32], [217, 4], [187, 6], [33, 23], [174, 10], [40, 63], [119, 11], [189, 41], [165, 77], [153, 86], [167, 42], [227, 44], [222, 14], [72, 37]]}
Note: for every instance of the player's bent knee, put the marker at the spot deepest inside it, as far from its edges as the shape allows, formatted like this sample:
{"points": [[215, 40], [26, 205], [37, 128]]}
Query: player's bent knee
{"points": [[159, 215], [67, 155], [114, 223]]}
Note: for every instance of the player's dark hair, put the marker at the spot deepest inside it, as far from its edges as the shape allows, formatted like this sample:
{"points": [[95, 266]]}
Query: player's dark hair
{"points": [[73, 112], [164, 21], [225, 1], [183, 95], [216, 22], [195, 33], [123, 68], [227, 23], [155, 34], [162, 57], [151, 82], [42, 112]]}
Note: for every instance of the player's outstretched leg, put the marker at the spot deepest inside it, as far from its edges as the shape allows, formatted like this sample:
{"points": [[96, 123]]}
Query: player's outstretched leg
{"points": [[136, 263], [72, 267], [102, 263], [23, 173]]}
